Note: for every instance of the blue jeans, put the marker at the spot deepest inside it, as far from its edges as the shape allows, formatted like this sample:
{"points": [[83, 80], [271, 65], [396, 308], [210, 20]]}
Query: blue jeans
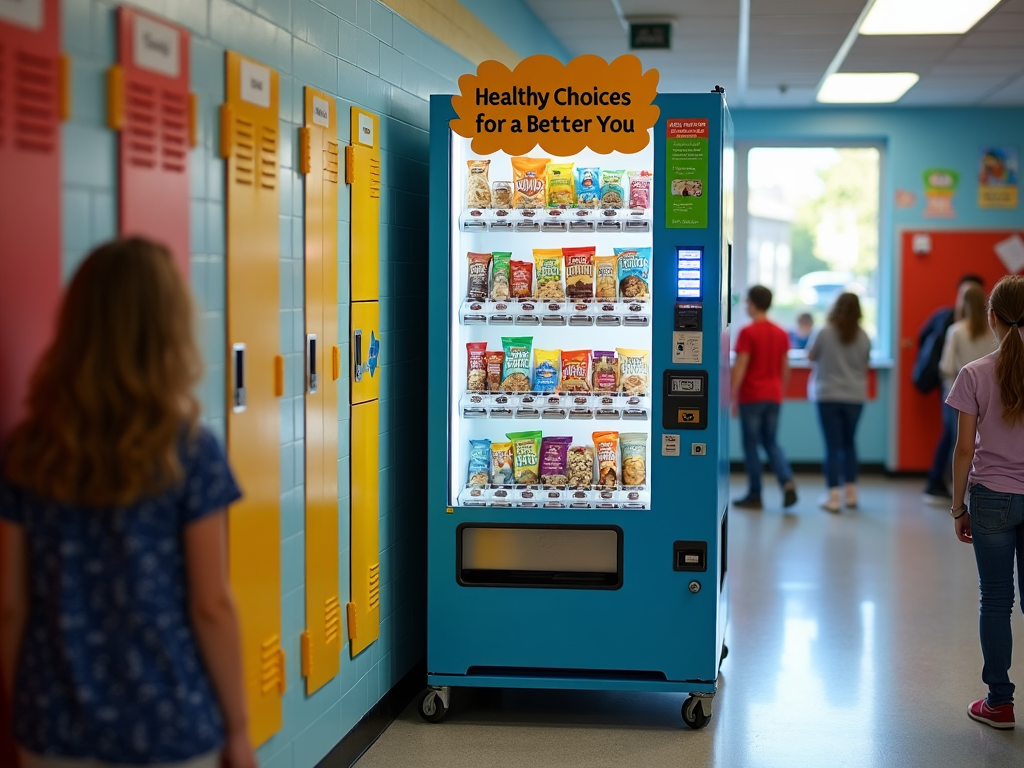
{"points": [[839, 427], [997, 525], [942, 460], [759, 422]]}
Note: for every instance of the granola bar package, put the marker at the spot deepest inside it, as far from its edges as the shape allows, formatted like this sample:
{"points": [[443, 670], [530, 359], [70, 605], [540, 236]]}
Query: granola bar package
{"points": [[476, 368], [606, 281], [515, 372], [501, 275], [606, 446], [521, 276], [478, 264], [529, 177], [579, 272], [545, 370], [479, 462], [634, 371], [613, 193], [495, 360], [581, 466], [548, 268], [634, 272], [525, 456], [634, 458], [501, 463], [588, 187], [605, 372], [574, 371], [640, 185], [554, 458], [478, 188], [561, 185]]}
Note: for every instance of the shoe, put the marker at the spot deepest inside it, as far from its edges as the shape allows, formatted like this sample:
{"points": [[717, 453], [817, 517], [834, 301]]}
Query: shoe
{"points": [[750, 501], [997, 717], [851, 496], [789, 497], [937, 494], [830, 505]]}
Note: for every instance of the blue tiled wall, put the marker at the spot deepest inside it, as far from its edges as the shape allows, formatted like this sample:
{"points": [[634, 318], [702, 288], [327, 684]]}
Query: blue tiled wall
{"points": [[368, 56]]}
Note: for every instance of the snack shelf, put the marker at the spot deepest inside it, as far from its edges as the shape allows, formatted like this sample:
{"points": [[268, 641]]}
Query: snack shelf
{"points": [[575, 406], [582, 313], [608, 220], [556, 497]]}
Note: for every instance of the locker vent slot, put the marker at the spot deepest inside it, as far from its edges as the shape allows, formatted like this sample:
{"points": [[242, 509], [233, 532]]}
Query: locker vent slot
{"points": [[268, 157], [35, 102], [374, 178], [270, 665], [331, 162], [374, 586], [3, 95], [141, 125], [174, 132], [332, 620], [245, 152]]}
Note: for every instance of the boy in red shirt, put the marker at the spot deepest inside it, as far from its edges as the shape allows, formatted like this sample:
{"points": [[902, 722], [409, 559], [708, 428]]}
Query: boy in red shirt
{"points": [[759, 378]]}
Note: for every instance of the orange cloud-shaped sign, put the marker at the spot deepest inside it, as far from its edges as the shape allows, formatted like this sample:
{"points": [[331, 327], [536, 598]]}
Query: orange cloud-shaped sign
{"points": [[588, 102]]}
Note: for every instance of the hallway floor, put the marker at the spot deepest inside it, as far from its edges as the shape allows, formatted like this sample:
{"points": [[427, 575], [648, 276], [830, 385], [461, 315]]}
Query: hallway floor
{"points": [[853, 642]]}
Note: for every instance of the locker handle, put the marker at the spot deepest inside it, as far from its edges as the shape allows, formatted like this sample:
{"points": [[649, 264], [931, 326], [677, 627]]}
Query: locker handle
{"points": [[357, 354], [64, 62], [312, 378], [193, 120], [305, 144], [227, 126], [278, 376], [238, 389], [336, 362], [115, 97]]}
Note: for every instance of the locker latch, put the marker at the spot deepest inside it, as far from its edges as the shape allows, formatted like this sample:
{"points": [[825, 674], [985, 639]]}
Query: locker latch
{"points": [[311, 374]]}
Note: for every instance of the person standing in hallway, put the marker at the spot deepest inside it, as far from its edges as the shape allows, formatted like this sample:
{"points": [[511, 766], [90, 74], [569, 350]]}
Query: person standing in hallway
{"points": [[840, 353], [759, 378], [988, 470], [119, 633], [926, 377]]}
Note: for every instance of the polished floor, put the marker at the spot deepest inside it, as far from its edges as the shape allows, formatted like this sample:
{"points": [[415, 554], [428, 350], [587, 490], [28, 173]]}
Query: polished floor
{"points": [[853, 642]]}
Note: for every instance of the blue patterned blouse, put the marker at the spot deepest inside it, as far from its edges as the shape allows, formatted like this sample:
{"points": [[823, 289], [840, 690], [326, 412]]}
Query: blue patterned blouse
{"points": [[110, 669]]}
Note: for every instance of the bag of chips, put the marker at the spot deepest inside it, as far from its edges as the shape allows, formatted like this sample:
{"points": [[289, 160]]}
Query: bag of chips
{"points": [[521, 285], [476, 368], [634, 458], [501, 275], [606, 280], [588, 187], [478, 264], [561, 185], [634, 371], [525, 456], [554, 455], [545, 370], [605, 372], [495, 361], [640, 186], [479, 462], [634, 272], [501, 463], [528, 176], [574, 371], [606, 446], [478, 188], [613, 194], [515, 372], [579, 272], [548, 269]]}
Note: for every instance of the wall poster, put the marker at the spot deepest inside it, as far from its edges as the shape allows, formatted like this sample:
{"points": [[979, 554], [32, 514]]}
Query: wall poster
{"points": [[998, 170]]}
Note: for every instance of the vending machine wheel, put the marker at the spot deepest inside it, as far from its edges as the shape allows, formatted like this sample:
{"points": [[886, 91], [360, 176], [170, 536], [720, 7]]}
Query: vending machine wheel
{"points": [[433, 704], [697, 710]]}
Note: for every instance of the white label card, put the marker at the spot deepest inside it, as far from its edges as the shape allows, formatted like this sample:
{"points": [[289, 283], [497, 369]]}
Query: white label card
{"points": [[255, 84], [365, 130], [156, 47], [687, 347], [24, 13], [321, 112], [670, 445]]}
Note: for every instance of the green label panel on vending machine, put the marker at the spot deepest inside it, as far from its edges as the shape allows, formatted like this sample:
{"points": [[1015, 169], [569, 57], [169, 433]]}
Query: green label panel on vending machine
{"points": [[686, 173]]}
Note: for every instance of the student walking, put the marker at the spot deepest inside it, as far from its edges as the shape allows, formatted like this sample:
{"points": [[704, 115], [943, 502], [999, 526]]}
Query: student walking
{"points": [[119, 633], [988, 470], [840, 352], [759, 378]]}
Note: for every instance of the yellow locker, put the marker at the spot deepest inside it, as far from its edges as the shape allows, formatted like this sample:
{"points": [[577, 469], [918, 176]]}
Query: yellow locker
{"points": [[249, 145], [362, 171], [318, 147], [364, 608]]}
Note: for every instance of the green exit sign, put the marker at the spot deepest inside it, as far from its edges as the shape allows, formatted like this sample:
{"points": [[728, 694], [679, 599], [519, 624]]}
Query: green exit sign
{"points": [[650, 36]]}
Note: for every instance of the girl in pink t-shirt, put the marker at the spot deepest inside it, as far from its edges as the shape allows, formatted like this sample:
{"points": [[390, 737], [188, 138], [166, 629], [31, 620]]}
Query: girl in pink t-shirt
{"points": [[988, 464]]}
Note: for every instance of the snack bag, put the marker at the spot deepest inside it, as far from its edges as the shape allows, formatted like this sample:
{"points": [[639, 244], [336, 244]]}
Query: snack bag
{"points": [[549, 273], [526, 456], [501, 275], [478, 264], [476, 368], [545, 370], [606, 281], [634, 371], [495, 360], [515, 372], [561, 185], [574, 371], [528, 175], [579, 272], [640, 185], [613, 194], [554, 458], [588, 187], [634, 458], [478, 187], [479, 462], [606, 446], [580, 466], [521, 285], [605, 372], [501, 194], [501, 463], [634, 272]]}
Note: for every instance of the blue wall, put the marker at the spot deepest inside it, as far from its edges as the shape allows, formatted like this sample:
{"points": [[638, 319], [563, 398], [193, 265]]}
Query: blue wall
{"points": [[914, 140]]}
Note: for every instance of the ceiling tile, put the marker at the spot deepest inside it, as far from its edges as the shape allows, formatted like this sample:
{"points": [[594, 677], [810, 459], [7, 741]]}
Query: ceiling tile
{"points": [[806, 7], [1002, 22], [961, 55], [993, 39], [837, 25], [1010, 94]]}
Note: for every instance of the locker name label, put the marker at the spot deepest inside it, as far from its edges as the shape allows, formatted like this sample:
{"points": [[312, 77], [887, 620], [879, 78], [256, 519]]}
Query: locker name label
{"points": [[24, 13], [156, 47], [255, 84], [589, 102], [321, 112]]}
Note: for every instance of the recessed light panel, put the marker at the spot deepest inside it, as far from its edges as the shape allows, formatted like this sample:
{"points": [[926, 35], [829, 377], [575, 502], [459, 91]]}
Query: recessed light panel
{"points": [[924, 17], [865, 87]]}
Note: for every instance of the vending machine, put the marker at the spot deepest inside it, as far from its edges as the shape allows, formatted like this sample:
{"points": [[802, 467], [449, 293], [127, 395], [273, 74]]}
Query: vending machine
{"points": [[578, 410]]}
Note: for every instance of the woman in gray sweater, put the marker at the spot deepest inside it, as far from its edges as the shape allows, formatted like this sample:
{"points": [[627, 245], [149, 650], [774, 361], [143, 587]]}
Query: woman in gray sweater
{"points": [[839, 384]]}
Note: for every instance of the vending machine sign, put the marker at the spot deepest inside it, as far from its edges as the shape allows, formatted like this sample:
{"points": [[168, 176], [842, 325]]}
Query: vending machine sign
{"points": [[686, 173]]}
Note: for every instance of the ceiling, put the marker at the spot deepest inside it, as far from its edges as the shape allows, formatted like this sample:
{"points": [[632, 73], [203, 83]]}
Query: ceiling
{"points": [[791, 45]]}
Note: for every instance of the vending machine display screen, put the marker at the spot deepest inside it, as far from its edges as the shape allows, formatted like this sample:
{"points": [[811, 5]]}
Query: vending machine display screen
{"points": [[688, 273]]}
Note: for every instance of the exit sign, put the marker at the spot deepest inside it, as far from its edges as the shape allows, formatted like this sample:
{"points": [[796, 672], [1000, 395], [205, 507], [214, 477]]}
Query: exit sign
{"points": [[650, 36]]}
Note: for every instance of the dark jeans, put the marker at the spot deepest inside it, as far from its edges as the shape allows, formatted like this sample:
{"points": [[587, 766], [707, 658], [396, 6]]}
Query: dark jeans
{"points": [[997, 525], [839, 427], [759, 422], [942, 460]]}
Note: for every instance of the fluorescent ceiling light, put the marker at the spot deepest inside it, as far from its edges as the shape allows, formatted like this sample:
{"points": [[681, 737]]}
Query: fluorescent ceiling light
{"points": [[865, 87], [924, 17]]}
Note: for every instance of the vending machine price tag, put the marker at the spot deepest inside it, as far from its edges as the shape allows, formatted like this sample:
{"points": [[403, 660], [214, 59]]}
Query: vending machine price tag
{"points": [[685, 400], [670, 445]]}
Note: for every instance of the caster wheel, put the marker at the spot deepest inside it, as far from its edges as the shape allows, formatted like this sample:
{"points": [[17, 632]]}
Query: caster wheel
{"points": [[431, 708], [693, 714], [725, 652]]}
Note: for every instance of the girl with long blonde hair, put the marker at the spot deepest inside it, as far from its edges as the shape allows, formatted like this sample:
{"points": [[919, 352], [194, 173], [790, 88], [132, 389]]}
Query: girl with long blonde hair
{"points": [[119, 634], [988, 471]]}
